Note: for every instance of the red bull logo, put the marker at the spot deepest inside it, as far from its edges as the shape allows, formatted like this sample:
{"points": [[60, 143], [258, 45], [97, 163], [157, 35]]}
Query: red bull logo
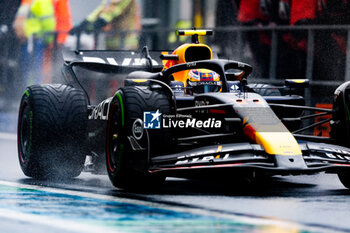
{"points": [[207, 76]]}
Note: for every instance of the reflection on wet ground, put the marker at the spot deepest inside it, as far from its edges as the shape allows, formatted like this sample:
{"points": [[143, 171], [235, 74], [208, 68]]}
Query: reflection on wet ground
{"points": [[319, 203], [119, 215]]}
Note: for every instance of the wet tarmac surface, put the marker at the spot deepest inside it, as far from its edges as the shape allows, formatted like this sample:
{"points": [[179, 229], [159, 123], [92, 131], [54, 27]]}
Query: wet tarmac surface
{"points": [[89, 203]]}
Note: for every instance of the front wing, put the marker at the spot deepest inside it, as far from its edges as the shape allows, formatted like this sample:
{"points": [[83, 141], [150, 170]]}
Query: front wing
{"points": [[316, 157]]}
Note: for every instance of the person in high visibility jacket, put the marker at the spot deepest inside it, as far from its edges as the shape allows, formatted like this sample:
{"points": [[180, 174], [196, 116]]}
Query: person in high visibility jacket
{"points": [[34, 17], [8, 74], [33, 23], [115, 16]]}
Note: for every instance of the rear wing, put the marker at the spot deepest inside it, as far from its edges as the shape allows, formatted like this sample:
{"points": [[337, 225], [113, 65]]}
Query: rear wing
{"points": [[123, 58]]}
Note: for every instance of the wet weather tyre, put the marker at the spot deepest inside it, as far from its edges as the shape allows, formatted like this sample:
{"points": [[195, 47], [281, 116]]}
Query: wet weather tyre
{"points": [[344, 178], [126, 111], [264, 89], [52, 130]]}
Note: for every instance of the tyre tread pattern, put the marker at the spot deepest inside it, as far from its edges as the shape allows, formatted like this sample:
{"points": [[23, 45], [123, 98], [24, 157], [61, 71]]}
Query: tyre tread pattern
{"points": [[141, 99], [59, 130]]}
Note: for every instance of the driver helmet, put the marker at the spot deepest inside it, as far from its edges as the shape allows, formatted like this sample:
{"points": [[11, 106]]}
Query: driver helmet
{"points": [[203, 81]]}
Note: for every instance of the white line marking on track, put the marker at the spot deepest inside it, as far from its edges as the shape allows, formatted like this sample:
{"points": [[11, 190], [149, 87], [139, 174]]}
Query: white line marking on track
{"points": [[191, 210], [8, 136]]}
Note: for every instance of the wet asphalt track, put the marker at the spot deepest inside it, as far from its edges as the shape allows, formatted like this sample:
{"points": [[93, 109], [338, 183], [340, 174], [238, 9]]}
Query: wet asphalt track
{"points": [[90, 203]]}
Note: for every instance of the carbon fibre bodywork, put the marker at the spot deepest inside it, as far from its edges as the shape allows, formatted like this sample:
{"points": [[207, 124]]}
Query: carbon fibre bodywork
{"points": [[256, 133]]}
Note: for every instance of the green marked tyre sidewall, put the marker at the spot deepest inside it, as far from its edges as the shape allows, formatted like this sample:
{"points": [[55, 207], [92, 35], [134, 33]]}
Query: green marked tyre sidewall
{"points": [[25, 130], [115, 159]]}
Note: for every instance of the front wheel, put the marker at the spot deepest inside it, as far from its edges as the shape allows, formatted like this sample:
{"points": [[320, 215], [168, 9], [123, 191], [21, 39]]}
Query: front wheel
{"points": [[127, 166]]}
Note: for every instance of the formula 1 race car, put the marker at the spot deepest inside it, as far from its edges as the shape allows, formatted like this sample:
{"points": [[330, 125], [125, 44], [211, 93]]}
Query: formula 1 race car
{"points": [[179, 114]]}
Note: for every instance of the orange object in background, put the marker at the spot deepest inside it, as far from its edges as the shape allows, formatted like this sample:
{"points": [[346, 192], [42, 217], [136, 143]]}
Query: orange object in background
{"points": [[63, 19], [63, 25], [324, 129]]}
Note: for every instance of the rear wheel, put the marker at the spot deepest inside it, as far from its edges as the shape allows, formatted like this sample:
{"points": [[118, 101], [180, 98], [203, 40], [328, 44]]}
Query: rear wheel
{"points": [[344, 178], [127, 164], [51, 131]]}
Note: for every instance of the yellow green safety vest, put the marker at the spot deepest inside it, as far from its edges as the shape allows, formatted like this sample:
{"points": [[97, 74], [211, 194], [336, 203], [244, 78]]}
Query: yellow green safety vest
{"points": [[40, 18], [120, 15]]}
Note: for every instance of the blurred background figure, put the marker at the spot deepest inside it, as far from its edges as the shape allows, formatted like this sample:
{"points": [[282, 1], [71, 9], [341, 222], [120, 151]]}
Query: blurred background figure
{"points": [[8, 48], [292, 45], [119, 19], [53, 52], [224, 39], [301, 13], [34, 24], [330, 45], [120, 22], [257, 13]]}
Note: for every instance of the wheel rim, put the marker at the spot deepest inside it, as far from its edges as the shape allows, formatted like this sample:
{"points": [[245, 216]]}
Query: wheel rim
{"points": [[115, 147], [24, 134]]}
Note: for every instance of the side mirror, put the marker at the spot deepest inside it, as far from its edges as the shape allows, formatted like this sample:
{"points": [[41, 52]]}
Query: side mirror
{"points": [[297, 83]]}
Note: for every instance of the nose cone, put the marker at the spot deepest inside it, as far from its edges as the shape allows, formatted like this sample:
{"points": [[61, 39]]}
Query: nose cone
{"points": [[262, 126], [278, 143]]}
